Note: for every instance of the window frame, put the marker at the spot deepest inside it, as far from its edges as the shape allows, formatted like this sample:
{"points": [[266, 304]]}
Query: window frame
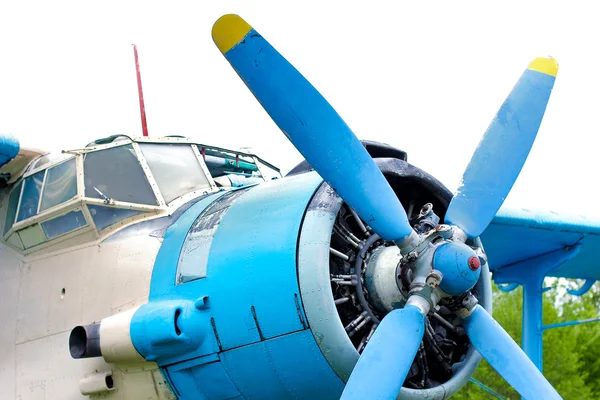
{"points": [[50, 166], [80, 201], [258, 161], [51, 212], [81, 228], [199, 159]]}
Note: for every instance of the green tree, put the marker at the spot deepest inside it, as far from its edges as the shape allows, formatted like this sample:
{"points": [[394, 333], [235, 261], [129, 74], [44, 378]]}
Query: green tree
{"points": [[586, 335]]}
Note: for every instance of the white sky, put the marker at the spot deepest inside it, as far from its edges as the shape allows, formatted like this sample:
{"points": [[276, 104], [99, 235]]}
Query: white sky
{"points": [[426, 78]]}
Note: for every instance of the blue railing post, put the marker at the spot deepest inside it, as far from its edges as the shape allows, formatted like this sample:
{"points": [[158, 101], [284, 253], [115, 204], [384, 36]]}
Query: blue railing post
{"points": [[531, 273], [531, 334]]}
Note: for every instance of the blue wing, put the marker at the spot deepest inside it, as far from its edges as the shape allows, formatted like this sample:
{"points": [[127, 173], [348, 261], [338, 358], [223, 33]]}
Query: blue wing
{"points": [[517, 235]]}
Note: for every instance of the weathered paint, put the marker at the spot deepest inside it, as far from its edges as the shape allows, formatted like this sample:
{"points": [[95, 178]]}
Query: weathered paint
{"points": [[313, 126], [247, 305], [503, 150]]}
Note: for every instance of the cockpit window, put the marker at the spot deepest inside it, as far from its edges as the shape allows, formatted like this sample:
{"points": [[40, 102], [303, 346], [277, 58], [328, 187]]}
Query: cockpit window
{"points": [[175, 168], [268, 172], [30, 199], [125, 180], [13, 202], [64, 224], [106, 216], [115, 174], [32, 236], [60, 186]]}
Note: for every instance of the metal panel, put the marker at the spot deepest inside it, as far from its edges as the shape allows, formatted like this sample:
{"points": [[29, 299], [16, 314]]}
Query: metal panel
{"points": [[315, 282], [165, 268], [163, 285], [64, 302], [45, 368], [10, 274], [98, 280], [15, 240], [196, 248], [252, 263], [206, 381], [529, 234], [251, 283], [33, 302], [286, 367]]}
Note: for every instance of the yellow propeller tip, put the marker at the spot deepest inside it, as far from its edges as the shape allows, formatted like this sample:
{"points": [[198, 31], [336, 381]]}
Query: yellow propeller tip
{"points": [[545, 65], [228, 31]]}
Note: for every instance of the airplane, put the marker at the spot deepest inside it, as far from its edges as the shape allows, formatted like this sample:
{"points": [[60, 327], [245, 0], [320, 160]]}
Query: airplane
{"points": [[163, 268]]}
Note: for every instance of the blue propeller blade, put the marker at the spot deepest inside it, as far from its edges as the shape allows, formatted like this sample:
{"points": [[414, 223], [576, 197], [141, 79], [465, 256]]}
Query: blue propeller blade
{"points": [[503, 150], [506, 357], [385, 361], [313, 126]]}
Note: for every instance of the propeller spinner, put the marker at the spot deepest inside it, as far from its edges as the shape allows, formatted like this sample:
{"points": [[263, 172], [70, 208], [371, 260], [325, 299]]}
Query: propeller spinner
{"points": [[443, 265]]}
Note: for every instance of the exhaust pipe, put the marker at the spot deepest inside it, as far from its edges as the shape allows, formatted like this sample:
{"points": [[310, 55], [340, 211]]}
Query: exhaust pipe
{"points": [[84, 341], [109, 339]]}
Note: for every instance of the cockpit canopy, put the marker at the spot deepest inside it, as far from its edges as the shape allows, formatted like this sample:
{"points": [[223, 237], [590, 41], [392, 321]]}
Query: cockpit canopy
{"points": [[118, 180]]}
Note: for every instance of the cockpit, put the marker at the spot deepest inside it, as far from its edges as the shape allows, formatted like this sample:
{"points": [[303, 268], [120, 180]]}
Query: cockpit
{"points": [[89, 193]]}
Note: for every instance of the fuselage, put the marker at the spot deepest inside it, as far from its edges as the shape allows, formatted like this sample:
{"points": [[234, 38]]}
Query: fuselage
{"points": [[81, 232]]}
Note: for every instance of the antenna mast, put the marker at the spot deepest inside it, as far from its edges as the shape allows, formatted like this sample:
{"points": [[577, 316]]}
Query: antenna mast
{"points": [[140, 92]]}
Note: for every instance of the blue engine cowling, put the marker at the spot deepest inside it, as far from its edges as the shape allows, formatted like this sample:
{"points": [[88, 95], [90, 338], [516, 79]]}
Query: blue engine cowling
{"points": [[241, 303]]}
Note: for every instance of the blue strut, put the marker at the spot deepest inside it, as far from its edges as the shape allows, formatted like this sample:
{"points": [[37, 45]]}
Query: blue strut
{"points": [[531, 274]]}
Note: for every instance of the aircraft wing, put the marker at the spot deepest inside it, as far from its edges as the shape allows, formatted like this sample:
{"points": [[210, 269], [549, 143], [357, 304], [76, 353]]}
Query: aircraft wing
{"points": [[517, 235]]}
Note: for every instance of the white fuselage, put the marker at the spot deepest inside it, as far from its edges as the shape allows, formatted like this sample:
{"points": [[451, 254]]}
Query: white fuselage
{"points": [[44, 296]]}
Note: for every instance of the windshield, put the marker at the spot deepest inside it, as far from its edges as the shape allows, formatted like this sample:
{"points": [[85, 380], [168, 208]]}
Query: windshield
{"points": [[116, 174], [175, 168]]}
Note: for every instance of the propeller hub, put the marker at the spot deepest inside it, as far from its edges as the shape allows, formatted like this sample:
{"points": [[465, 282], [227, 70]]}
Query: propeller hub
{"points": [[459, 265]]}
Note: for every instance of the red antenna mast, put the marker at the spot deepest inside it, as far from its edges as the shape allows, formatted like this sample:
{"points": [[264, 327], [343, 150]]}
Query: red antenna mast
{"points": [[140, 92]]}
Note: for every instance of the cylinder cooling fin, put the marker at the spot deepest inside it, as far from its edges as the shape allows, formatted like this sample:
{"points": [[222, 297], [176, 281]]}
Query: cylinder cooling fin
{"points": [[336, 248]]}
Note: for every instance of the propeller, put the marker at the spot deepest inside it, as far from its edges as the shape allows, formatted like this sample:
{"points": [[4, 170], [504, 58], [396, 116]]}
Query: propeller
{"points": [[503, 150], [388, 352], [313, 127], [328, 144], [487, 336]]}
